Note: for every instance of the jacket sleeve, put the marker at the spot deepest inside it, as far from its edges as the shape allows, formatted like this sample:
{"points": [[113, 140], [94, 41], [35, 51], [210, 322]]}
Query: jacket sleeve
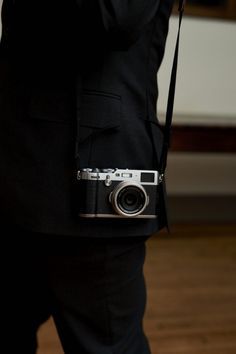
{"points": [[120, 22]]}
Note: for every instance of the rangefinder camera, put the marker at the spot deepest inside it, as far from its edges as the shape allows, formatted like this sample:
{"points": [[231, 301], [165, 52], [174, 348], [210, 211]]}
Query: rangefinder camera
{"points": [[117, 193]]}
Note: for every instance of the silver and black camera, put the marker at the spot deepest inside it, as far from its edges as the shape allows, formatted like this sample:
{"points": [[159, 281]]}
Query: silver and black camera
{"points": [[117, 193]]}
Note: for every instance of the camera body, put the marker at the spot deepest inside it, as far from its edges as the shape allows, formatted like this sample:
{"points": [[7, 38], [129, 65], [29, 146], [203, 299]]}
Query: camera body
{"points": [[117, 193]]}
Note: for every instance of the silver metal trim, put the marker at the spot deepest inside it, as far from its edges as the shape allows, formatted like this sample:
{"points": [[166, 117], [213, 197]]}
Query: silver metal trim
{"points": [[117, 175], [161, 177], [117, 216]]}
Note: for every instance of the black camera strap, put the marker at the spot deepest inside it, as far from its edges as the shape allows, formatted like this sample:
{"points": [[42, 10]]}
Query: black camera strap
{"points": [[171, 97]]}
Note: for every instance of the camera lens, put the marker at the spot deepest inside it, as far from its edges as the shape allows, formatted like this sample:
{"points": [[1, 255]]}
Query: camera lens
{"points": [[129, 199]]}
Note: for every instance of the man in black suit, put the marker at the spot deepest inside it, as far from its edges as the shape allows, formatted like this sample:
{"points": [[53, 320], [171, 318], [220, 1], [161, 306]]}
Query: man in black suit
{"points": [[68, 67]]}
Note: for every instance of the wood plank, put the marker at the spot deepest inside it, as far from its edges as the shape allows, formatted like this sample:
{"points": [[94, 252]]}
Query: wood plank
{"points": [[227, 10], [48, 342], [191, 281], [203, 139]]}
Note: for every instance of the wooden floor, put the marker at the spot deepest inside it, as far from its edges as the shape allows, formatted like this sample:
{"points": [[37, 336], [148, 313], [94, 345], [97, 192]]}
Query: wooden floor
{"points": [[191, 282]]}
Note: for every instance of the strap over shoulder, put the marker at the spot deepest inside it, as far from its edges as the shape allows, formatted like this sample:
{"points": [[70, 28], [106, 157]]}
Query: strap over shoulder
{"points": [[171, 96]]}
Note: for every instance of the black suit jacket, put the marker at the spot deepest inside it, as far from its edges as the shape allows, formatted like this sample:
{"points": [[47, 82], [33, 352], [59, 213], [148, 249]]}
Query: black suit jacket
{"points": [[92, 61]]}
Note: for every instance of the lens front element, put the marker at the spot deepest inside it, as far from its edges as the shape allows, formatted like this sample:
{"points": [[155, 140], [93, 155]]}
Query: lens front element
{"points": [[129, 199]]}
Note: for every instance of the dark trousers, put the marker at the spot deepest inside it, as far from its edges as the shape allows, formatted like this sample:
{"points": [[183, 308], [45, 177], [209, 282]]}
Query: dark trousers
{"points": [[94, 289]]}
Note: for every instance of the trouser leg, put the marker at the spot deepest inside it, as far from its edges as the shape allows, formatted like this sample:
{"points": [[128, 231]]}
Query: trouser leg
{"points": [[100, 296], [24, 296], [94, 289]]}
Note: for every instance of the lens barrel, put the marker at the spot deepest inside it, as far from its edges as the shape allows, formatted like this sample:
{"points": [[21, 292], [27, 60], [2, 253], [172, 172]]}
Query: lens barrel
{"points": [[129, 199]]}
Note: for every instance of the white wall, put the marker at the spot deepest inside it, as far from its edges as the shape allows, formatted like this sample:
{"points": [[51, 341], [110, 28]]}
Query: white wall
{"points": [[206, 83], [206, 94]]}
